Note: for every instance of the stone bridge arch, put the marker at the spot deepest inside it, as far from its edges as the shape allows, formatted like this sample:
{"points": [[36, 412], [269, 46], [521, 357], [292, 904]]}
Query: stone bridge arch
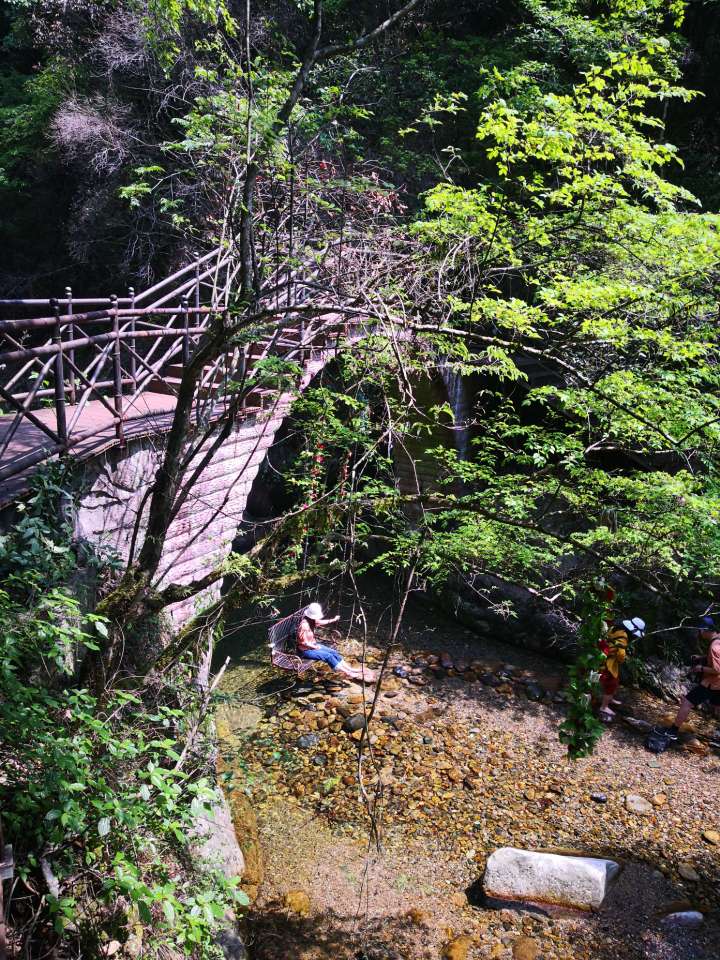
{"points": [[114, 486]]}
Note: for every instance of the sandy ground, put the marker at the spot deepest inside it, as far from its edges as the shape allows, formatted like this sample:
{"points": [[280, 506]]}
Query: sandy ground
{"points": [[465, 767]]}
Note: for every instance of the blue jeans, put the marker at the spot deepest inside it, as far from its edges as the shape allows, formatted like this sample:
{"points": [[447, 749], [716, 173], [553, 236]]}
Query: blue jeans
{"points": [[326, 654]]}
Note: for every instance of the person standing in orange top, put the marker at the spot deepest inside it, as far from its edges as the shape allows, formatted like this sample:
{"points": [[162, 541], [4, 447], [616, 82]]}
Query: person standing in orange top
{"points": [[707, 690]]}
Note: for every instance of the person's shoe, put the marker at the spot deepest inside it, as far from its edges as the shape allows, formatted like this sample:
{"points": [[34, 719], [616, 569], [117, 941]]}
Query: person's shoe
{"points": [[667, 732], [606, 715]]}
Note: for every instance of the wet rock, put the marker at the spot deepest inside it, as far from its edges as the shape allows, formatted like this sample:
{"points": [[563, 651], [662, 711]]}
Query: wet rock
{"points": [[391, 719], [354, 723], [638, 805], [582, 882], [307, 741], [401, 672], [685, 918], [533, 691], [489, 679], [598, 797], [525, 948], [688, 872], [297, 901]]}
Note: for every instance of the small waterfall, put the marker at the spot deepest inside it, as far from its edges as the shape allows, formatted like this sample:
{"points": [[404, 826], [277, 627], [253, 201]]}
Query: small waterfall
{"points": [[460, 406]]}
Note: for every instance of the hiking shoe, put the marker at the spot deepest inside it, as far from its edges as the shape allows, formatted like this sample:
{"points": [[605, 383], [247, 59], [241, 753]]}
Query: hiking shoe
{"points": [[665, 732]]}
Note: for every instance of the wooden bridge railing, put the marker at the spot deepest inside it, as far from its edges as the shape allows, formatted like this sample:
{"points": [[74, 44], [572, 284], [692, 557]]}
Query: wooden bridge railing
{"points": [[117, 349], [113, 351]]}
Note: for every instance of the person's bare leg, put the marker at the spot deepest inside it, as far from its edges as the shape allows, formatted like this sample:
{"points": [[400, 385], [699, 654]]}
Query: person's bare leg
{"points": [[345, 668], [605, 705], [683, 712]]}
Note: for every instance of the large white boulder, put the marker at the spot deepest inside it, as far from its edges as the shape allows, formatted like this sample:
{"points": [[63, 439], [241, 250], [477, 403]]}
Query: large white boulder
{"points": [[580, 882]]}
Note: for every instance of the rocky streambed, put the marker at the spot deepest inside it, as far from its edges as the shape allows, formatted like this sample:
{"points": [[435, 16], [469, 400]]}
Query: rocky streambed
{"points": [[461, 758]]}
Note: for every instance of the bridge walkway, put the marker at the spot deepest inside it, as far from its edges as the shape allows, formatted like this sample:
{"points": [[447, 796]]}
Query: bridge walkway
{"points": [[145, 414]]}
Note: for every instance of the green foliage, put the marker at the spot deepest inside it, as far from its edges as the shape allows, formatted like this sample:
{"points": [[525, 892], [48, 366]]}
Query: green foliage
{"points": [[615, 286], [36, 554], [27, 105], [95, 802], [94, 799], [164, 20], [580, 730]]}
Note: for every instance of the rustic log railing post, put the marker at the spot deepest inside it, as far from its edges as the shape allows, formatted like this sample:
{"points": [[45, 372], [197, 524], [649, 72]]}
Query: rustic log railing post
{"points": [[60, 416], [117, 372], [186, 331], [71, 351], [197, 279], [133, 348]]}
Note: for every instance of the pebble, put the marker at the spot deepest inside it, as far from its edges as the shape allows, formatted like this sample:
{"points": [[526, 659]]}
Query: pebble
{"points": [[297, 901], [354, 723], [712, 836], [688, 872], [685, 918], [525, 949], [457, 948], [599, 797], [533, 691], [638, 805], [307, 741]]}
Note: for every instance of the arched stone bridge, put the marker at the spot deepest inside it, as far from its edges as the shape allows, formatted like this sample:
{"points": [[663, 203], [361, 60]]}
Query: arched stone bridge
{"points": [[96, 380]]}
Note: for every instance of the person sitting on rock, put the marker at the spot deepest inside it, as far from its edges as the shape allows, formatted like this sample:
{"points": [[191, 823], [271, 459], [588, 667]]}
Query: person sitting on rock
{"points": [[707, 672], [310, 649], [614, 644]]}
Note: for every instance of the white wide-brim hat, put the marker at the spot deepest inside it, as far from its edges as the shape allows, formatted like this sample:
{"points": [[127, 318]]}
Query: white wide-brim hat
{"points": [[314, 611], [635, 626]]}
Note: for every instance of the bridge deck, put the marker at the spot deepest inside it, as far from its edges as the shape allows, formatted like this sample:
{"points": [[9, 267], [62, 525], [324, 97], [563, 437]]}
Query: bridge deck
{"points": [[143, 414]]}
